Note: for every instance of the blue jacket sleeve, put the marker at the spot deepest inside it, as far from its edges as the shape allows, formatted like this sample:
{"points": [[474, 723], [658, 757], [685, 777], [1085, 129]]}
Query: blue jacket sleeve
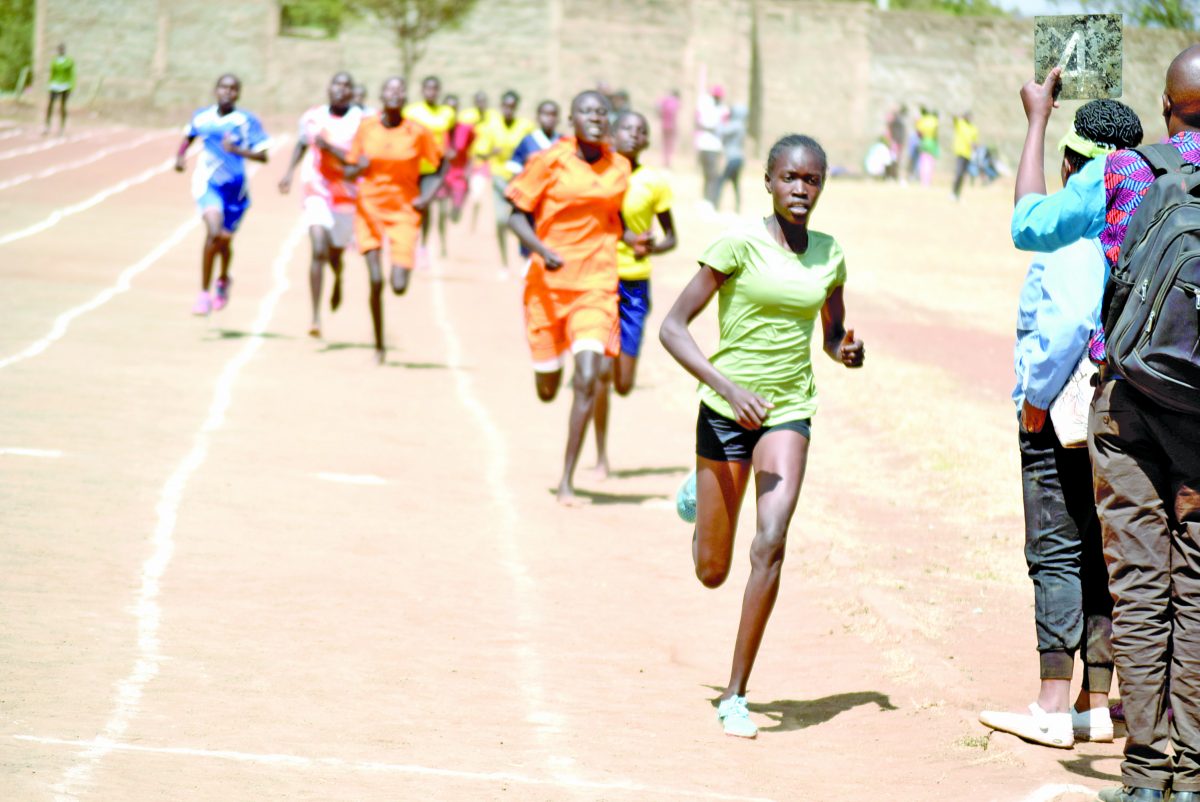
{"points": [[1066, 316], [1049, 222]]}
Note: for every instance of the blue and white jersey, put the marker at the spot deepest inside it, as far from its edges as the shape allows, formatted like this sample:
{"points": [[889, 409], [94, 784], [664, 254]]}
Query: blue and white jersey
{"points": [[218, 167]]}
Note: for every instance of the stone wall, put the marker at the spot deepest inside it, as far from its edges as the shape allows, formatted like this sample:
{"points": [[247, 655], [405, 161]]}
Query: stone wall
{"points": [[831, 69]]}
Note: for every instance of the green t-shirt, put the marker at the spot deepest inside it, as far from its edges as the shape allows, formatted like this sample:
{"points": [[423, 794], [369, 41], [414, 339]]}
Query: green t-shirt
{"points": [[62, 73], [766, 311]]}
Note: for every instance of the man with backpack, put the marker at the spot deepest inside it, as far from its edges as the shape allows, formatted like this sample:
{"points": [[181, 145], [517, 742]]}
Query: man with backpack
{"points": [[1145, 424]]}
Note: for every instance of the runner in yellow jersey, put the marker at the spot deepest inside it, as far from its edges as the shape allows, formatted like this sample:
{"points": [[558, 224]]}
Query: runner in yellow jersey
{"points": [[497, 136], [62, 81], [439, 119]]}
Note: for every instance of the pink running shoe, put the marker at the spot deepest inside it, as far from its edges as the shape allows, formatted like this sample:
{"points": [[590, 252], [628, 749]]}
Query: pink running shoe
{"points": [[203, 304], [221, 296]]}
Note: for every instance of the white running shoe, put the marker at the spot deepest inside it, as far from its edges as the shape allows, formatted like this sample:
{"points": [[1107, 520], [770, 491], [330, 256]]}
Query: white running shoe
{"points": [[1037, 726], [735, 717], [1092, 725]]}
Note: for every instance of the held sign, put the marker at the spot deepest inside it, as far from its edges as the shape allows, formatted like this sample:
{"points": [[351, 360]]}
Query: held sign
{"points": [[1088, 47]]}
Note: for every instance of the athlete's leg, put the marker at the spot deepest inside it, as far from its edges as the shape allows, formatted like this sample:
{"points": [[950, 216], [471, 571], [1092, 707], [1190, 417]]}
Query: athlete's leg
{"points": [[720, 486], [62, 111], [49, 113], [225, 251], [400, 278], [547, 384], [335, 263], [214, 226], [779, 461], [442, 205], [583, 385], [604, 380], [319, 237], [625, 373], [376, 273]]}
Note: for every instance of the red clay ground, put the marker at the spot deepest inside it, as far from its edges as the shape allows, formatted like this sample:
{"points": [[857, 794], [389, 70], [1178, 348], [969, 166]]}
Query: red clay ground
{"points": [[194, 608]]}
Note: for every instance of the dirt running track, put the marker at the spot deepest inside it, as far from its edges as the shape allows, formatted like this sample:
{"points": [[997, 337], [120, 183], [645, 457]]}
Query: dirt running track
{"points": [[242, 564]]}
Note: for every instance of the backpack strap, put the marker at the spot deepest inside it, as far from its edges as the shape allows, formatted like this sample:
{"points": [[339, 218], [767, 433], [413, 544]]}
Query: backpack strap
{"points": [[1164, 158]]}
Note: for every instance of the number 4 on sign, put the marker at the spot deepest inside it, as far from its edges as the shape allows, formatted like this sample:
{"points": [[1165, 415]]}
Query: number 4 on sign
{"points": [[1072, 59]]}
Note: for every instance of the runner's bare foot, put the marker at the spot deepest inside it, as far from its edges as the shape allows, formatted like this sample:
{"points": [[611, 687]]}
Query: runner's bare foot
{"points": [[380, 355], [314, 330], [566, 496], [600, 470]]}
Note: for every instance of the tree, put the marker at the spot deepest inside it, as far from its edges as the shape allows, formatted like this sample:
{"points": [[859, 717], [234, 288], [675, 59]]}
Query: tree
{"points": [[16, 40], [413, 22]]}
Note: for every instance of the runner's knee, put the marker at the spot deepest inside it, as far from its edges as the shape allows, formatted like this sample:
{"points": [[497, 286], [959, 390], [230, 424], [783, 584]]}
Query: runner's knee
{"points": [[769, 544], [712, 573]]}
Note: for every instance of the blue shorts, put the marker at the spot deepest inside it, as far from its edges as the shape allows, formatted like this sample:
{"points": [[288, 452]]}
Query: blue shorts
{"points": [[232, 199], [634, 309]]}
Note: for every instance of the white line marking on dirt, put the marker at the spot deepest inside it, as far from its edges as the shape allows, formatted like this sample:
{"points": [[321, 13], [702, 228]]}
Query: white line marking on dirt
{"points": [[299, 761], [146, 610], [9, 133], [62, 168], [352, 478], [122, 284], [504, 526], [30, 452], [58, 215], [1047, 793], [50, 143]]}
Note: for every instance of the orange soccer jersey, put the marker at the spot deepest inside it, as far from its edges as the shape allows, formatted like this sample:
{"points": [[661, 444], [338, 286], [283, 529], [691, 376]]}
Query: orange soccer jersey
{"points": [[390, 184], [576, 207]]}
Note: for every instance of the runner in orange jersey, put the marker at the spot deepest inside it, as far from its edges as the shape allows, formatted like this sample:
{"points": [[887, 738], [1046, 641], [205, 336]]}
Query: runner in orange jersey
{"points": [[386, 152], [573, 190]]}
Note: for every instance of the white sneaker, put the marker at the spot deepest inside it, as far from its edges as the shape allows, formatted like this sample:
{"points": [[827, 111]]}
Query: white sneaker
{"points": [[1037, 726], [735, 717], [1092, 725]]}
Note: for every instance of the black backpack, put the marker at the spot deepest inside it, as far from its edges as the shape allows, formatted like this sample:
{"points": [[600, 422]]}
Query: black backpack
{"points": [[1152, 301]]}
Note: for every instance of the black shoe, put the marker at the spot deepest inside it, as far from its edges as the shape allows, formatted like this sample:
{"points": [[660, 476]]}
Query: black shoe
{"points": [[1184, 796], [1128, 793]]}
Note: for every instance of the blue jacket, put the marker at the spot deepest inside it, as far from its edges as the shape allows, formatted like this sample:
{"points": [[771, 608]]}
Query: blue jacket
{"points": [[1058, 311]]}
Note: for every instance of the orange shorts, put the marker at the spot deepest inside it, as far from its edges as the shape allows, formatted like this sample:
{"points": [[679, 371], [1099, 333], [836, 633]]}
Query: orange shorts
{"points": [[401, 227], [559, 321]]}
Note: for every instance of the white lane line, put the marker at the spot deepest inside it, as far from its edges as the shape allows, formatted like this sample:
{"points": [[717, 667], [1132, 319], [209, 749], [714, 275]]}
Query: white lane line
{"points": [[123, 283], [62, 168], [1048, 793], [352, 478], [504, 526], [58, 215], [52, 143], [146, 610], [300, 761], [10, 133], [30, 452]]}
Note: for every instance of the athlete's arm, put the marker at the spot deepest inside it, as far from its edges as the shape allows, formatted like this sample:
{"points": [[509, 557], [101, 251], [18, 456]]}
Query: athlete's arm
{"points": [[520, 225], [750, 409], [181, 154], [840, 343], [285, 183], [422, 203], [640, 243], [230, 146], [668, 242], [334, 151]]}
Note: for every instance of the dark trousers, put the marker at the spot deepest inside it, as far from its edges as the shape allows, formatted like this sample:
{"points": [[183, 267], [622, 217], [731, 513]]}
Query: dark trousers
{"points": [[710, 167], [960, 172], [1071, 602], [1147, 475]]}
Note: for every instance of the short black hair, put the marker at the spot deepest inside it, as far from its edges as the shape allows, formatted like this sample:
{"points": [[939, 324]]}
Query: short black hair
{"points": [[511, 93], [792, 141], [546, 103], [429, 78], [575, 101], [631, 113], [1105, 122]]}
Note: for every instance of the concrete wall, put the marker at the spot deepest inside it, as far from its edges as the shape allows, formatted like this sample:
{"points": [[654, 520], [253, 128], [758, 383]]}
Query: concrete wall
{"points": [[831, 69]]}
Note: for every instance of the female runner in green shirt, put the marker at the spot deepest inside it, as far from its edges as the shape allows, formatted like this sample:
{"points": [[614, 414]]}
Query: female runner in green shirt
{"points": [[772, 278]]}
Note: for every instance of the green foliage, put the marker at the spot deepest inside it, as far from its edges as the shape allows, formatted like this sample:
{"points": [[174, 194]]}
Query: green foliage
{"points": [[959, 8], [1183, 15], [413, 22], [321, 18], [16, 40]]}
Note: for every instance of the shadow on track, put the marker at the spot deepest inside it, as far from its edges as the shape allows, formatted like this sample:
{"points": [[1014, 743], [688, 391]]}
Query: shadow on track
{"points": [[665, 470], [795, 714]]}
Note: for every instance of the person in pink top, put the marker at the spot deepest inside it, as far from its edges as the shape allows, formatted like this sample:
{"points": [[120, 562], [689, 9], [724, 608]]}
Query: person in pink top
{"points": [[325, 135], [459, 140], [668, 124]]}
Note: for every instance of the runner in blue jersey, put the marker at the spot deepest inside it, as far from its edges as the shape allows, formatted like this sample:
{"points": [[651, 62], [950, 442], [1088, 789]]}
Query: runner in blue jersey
{"points": [[229, 136]]}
